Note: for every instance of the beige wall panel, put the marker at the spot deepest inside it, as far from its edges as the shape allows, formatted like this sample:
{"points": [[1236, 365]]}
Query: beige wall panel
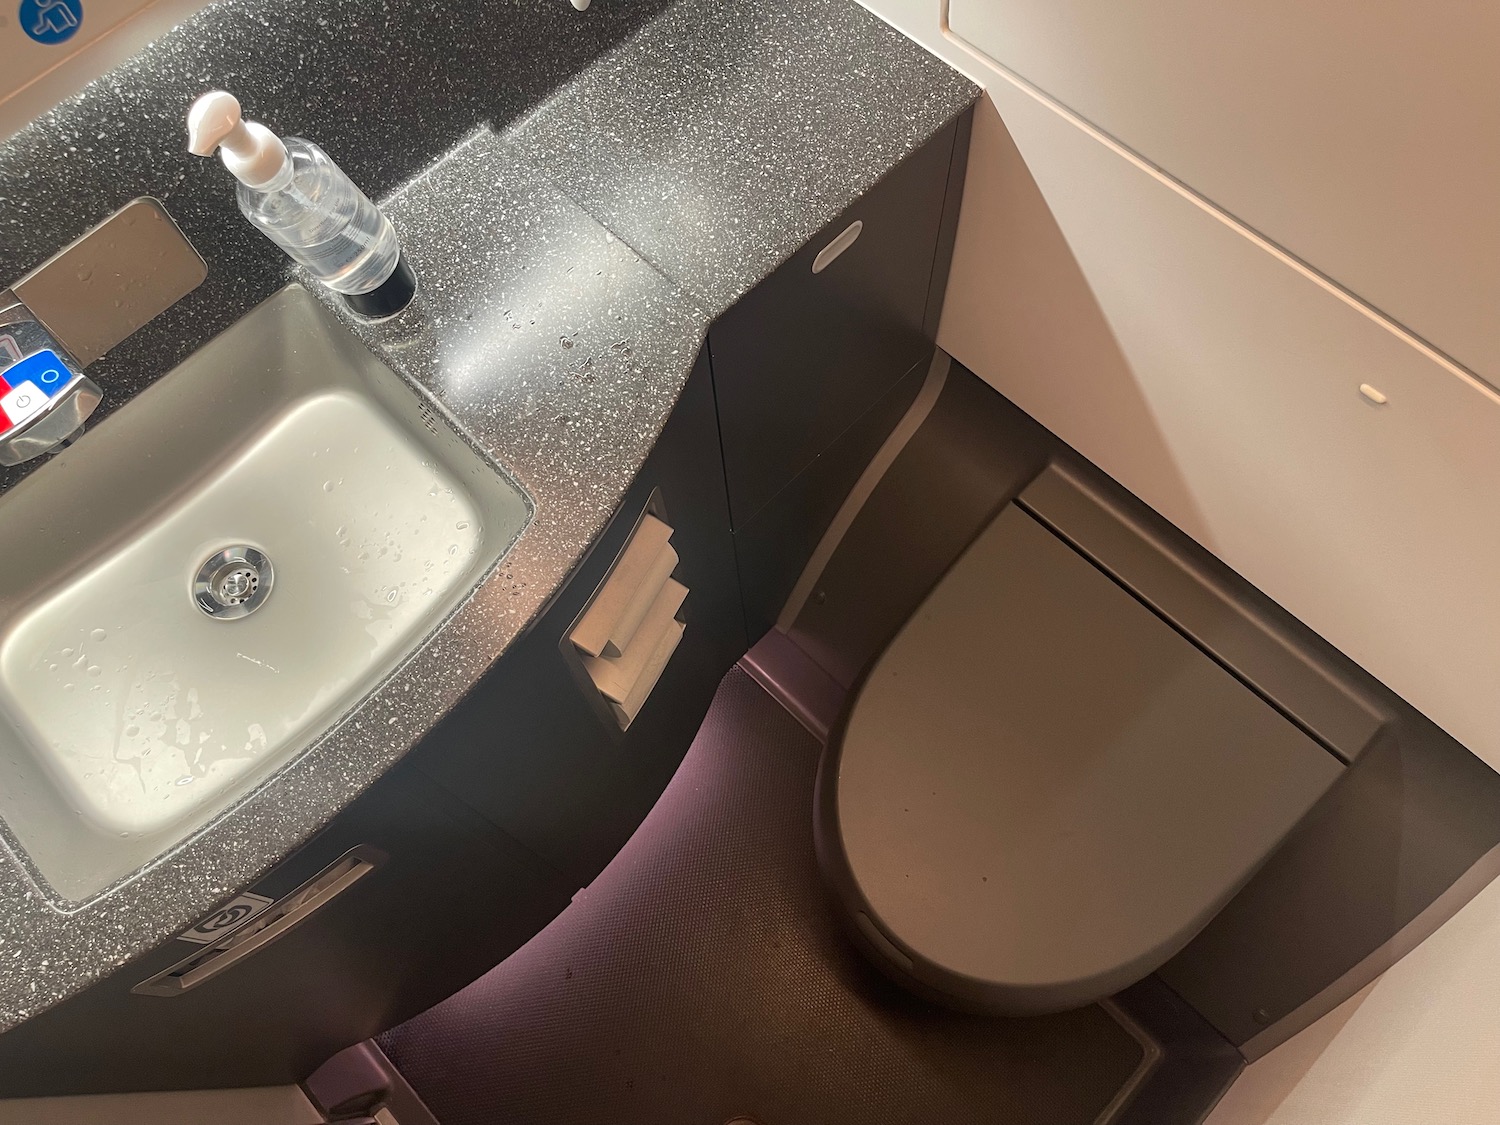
{"points": [[1363, 138], [1222, 386], [34, 77]]}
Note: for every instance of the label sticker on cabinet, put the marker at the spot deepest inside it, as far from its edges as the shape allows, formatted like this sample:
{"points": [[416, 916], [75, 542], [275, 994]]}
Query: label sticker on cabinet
{"points": [[226, 918]]}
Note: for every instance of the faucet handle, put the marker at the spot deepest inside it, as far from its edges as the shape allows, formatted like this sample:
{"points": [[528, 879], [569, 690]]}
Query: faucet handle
{"points": [[44, 397]]}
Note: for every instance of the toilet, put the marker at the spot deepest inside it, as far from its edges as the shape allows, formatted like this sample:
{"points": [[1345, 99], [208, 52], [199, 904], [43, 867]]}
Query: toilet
{"points": [[1045, 786]]}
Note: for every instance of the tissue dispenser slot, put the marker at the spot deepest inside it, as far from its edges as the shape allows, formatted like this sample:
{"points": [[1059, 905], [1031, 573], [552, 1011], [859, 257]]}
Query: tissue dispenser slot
{"points": [[634, 624]]}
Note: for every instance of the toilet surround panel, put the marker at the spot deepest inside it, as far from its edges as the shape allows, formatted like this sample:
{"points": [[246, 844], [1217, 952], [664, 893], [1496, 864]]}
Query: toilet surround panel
{"points": [[1061, 769]]}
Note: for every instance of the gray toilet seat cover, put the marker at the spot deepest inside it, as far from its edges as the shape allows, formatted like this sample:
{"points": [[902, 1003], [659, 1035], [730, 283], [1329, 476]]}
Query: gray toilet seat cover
{"points": [[1045, 790]]}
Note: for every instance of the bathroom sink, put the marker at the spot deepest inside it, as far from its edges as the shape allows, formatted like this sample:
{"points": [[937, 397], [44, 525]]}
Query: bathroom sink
{"points": [[195, 593]]}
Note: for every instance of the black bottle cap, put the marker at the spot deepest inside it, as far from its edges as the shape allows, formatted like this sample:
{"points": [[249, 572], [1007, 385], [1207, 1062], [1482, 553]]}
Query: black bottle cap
{"points": [[390, 296]]}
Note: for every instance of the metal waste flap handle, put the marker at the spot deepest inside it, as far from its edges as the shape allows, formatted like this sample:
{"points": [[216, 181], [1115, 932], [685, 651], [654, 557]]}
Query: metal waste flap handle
{"points": [[266, 927]]}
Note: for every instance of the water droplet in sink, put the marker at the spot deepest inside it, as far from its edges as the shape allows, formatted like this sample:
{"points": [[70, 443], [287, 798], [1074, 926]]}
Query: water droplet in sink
{"points": [[67, 687], [462, 525], [98, 635], [95, 671], [132, 730], [329, 486], [187, 780]]}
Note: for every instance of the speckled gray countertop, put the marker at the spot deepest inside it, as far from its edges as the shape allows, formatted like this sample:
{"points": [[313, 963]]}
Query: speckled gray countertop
{"points": [[581, 195]]}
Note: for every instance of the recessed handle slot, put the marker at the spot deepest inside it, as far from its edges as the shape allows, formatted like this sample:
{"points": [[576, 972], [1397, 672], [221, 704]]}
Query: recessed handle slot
{"points": [[264, 928], [830, 253]]}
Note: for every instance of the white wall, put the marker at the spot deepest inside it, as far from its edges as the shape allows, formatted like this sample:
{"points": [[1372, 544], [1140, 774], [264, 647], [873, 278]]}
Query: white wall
{"points": [[1363, 138]]}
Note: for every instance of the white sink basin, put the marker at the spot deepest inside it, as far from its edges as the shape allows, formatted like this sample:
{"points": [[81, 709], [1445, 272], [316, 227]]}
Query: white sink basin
{"points": [[130, 717]]}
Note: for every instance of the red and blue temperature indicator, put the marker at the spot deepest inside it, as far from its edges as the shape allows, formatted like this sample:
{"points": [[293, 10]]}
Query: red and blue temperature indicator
{"points": [[28, 386]]}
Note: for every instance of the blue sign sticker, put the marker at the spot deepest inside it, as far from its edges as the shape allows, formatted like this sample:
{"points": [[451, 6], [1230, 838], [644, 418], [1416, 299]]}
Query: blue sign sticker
{"points": [[51, 21]]}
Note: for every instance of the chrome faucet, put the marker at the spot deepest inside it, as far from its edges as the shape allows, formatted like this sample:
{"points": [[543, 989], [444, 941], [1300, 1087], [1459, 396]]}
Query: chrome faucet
{"points": [[44, 397], [71, 310]]}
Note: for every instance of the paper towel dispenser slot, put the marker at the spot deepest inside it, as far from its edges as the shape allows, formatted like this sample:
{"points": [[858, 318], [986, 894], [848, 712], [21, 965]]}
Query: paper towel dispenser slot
{"points": [[634, 622], [617, 610]]}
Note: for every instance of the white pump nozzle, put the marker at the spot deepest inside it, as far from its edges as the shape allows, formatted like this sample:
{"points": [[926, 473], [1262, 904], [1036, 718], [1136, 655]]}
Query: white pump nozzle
{"points": [[252, 152]]}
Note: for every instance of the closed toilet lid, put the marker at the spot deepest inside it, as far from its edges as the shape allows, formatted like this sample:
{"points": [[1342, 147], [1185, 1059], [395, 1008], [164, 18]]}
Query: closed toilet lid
{"points": [[1043, 790]]}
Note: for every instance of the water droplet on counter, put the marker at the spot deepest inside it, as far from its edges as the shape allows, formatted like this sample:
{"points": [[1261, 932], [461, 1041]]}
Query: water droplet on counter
{"points": [[98, 635], [132, 730], [95, 671]]}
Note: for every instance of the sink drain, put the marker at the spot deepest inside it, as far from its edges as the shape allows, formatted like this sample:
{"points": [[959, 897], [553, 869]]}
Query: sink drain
{"points": [[233, 583]]}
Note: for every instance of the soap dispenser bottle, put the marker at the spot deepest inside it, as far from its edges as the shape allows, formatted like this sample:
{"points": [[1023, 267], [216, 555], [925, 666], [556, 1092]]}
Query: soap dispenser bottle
{"points": [[303, 202]]}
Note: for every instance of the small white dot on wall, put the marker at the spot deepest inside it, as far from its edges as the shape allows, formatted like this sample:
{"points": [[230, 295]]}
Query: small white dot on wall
{"points": [[1372, 394]]}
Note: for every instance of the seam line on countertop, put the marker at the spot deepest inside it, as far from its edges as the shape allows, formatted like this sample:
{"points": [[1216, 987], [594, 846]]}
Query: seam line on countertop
{"points": [[563, 190], [1202, 202]]}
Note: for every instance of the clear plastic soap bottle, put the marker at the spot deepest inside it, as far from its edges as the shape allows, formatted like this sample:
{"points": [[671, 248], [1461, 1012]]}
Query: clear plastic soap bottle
{"points": [[301, 200]]}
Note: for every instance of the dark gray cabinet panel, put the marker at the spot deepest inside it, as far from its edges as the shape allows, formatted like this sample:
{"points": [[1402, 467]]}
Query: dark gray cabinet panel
{"points": [[775, 545], [530, 751], [453, 897], [800, 358]]}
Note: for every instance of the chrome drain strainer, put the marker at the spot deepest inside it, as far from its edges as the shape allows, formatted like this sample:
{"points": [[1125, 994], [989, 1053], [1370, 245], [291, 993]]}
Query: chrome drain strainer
{"points": [[233, 583]]}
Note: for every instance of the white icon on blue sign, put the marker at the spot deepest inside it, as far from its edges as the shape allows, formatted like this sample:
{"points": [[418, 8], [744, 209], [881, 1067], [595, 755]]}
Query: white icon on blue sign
{"points": [[51, 21]]}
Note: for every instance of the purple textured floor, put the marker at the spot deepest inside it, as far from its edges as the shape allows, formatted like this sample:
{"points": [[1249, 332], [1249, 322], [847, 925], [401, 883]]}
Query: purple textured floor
{"points": [[702, 977]]}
